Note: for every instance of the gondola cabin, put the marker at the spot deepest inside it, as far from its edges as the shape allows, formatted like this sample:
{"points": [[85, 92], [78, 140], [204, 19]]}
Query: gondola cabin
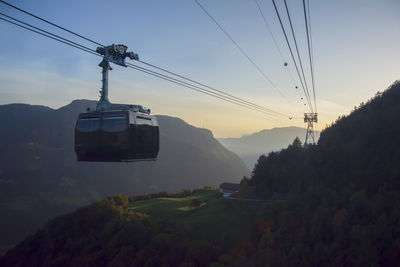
{"points": [[117, 135]]}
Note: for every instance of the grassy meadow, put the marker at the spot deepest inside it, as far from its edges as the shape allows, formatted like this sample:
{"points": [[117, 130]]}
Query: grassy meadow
{"points": [[216, 218]]}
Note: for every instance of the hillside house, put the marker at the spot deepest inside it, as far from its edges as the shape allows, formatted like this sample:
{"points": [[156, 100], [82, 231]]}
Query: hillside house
{"points": [[229, 188]]}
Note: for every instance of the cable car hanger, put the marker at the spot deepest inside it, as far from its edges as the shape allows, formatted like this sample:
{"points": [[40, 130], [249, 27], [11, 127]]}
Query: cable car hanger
{"points": [[116, 132], [115, 53]]}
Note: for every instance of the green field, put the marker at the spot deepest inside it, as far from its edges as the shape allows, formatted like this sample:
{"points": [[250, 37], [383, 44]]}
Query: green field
{"points": [[216, 219]]}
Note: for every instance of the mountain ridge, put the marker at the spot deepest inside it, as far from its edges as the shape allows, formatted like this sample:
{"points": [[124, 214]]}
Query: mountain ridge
{"points": [[338, 206], [251, 146], [39, 168]]}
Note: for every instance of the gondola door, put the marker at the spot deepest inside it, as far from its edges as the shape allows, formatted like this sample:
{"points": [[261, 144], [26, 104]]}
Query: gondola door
{"points": [[114, 138], [87, 136]]}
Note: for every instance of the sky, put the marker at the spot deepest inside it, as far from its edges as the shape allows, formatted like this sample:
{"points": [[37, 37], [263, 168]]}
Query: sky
{"points": [[355, 47]]}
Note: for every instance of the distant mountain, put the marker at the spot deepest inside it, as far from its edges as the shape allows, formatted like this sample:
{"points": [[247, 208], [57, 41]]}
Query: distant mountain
{"points": [[40, 177], [250, 147], [338, 205]]}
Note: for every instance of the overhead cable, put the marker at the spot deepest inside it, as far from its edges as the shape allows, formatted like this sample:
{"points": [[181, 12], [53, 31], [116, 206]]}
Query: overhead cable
{"points": [[49, 36], [204, 85], [220, 95], [309, 44], [273, 39], [97, 43], [297, 49], [195, 88], [291, 53], [232, 99], [45, 33], [240, 49], [49, 22]]}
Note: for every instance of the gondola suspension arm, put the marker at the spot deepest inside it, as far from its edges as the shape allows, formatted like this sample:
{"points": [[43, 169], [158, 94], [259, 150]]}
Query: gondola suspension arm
{"points": [[115, 53]]}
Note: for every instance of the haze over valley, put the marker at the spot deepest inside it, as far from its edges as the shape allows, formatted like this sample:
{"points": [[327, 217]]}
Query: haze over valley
{"points": [[250, 147], [332, 201], [40, 177], [218, 133]]}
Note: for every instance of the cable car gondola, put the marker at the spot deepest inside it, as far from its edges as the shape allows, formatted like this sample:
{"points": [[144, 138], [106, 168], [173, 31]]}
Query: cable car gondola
{"points": [[116, 132], [121, 135]]}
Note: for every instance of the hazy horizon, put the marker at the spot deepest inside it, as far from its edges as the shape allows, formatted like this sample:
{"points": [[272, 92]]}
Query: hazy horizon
{"points": [[354, 42], [217, 137]]}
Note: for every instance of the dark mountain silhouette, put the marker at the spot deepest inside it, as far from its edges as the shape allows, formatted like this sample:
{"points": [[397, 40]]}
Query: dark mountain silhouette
{"points": [[250, 147], [343, 193], [339, 207], [40, 177], [360, 149]]}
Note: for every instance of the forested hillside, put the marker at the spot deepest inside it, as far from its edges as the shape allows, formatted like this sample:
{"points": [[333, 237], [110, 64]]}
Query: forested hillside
{"points": [[344, 193], [174, 231], [360, 151], [40, 177], [338, 206]]}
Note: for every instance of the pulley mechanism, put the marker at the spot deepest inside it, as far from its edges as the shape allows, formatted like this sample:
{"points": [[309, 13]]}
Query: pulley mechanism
{"points": [[116, 53]]}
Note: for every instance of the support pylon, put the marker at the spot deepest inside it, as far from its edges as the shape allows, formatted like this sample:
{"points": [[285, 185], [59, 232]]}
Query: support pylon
{"points": [[310, 118]]}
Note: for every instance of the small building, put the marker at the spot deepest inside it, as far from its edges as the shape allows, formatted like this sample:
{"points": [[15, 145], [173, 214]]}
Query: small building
{"points": [[229, 188]]}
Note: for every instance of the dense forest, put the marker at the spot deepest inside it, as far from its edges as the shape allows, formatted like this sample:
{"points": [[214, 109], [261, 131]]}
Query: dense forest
{"points": [[105, 233], [344, 192], [338, 206]]}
